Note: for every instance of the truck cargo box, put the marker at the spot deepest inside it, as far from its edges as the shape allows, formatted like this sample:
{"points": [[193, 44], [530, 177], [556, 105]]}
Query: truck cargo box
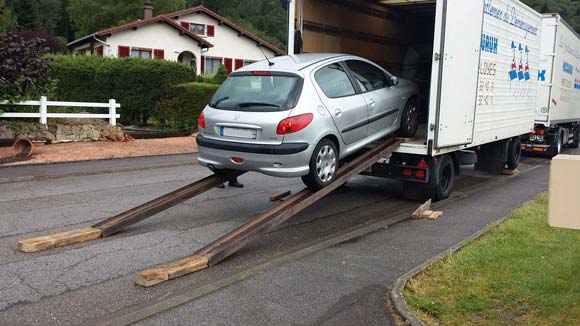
{"points": [[559, 89], [476, 61]]}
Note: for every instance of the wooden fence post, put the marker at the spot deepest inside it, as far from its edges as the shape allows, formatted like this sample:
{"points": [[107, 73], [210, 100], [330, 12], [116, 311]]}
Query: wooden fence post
{"points": [[43, 110], [112, 112]]}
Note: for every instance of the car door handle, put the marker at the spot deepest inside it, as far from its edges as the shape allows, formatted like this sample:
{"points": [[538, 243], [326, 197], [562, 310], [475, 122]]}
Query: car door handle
{"points": [[372, 103], [338, 112]]}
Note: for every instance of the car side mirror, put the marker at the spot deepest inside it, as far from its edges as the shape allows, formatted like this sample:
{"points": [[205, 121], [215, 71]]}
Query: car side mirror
{"points": [[394, 81]]}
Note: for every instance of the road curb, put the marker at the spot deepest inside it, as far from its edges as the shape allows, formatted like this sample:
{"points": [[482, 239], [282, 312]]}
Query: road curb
{"points": [[94, 172], [396, 294]]}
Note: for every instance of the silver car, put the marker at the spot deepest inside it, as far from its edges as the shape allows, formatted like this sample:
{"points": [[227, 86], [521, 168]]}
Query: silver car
{"points": [[300, 115]]}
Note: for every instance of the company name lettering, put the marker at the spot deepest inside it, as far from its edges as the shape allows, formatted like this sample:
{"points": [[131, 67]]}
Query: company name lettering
{"points": [[489, 44], [509, 16]]}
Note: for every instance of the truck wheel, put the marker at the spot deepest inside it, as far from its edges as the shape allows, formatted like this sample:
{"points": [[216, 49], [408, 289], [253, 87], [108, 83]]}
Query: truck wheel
{"points": [[514, 153], [576, 141], [440, 187], [444, 178], [409, 120], [323, 165], [559, 143]]}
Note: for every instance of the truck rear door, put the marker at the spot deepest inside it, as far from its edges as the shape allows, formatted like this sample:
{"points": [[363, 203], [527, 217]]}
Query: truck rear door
{"points": [[455, 70]]}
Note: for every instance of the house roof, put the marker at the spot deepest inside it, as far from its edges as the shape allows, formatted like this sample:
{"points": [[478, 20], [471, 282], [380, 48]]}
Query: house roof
{"points": [[167, 18], [227, 22], [160, 19]]}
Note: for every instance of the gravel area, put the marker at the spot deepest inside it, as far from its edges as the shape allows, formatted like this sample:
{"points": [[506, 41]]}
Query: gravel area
{"points": [[83, 151]]}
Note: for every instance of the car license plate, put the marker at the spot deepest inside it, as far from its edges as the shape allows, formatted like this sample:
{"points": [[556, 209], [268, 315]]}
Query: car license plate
{"points": [[536, 138], [239, 133]]}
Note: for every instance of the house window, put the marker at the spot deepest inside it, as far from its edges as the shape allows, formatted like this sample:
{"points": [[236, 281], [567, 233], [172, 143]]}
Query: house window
{"points": [[140, 53], [197, 28], [212, 65]]}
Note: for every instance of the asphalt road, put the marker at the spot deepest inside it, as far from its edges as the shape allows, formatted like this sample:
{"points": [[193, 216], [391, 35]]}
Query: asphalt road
{"points": [[342, 284]]}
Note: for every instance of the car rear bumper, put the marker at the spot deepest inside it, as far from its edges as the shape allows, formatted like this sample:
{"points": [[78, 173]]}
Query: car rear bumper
{"points": [[267, 160]]}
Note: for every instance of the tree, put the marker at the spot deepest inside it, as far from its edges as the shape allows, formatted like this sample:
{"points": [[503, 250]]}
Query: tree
{"points": [[27, 13], [24, 71], [220, 76], [90, 16]]}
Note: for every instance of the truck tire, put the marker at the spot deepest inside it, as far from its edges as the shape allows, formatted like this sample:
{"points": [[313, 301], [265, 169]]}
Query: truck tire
{"points": [[558, 144], [576, 141], [440, 187], [514, 153], [409, 119]]}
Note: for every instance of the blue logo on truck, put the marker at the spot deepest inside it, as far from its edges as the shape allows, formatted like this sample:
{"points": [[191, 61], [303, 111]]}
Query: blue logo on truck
{"points": [[568, 68], [489, 43]]}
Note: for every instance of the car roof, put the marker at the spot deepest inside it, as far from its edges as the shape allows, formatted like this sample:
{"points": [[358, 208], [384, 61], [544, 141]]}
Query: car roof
{"points": [[294, 62]]}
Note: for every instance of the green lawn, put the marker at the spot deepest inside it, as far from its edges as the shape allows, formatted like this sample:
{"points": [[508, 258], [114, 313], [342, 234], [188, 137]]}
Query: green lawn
{"points": [[520, 273]]}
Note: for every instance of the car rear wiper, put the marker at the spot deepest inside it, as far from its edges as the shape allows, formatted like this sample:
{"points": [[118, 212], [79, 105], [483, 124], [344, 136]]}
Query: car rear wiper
{"points": [[215, 105], [248, 104]]}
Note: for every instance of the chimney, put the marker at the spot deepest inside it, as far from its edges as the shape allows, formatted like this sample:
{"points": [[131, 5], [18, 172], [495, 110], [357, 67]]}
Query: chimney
{"points": [[147, 10]]}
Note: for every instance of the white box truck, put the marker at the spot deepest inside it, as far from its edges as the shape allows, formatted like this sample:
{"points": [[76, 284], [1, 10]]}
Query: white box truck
{"points": [[476, 61], [558, 102]]}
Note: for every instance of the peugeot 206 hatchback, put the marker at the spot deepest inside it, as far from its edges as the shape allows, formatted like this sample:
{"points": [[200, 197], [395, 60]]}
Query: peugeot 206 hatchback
{"points": [[299, 115]]}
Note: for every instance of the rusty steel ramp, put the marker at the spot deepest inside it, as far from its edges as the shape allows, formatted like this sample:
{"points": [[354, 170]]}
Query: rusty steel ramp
{"points": [[265, 222], [116, 223]]}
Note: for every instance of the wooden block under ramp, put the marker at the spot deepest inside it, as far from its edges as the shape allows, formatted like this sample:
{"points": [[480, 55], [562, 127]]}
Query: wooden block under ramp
{"points": [[418, 213], [435, 215], [170, 271], [58, 240]]}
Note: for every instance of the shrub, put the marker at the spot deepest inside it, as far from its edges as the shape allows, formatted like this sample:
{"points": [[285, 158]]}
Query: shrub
{"points": [[138, 84], [182, 104], [220, 76], [23, 69]]}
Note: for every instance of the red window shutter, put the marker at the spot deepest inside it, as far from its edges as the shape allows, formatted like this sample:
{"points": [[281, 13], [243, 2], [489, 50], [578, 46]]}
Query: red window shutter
{"points": [[124, 51], [159, 53], [239, 64], [100, 51], [185, 25], [203, 64], [210, 30], [228, 64]]}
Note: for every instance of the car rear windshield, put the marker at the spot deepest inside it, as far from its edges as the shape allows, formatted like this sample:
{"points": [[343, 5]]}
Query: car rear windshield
{"points": [[258, 93]]}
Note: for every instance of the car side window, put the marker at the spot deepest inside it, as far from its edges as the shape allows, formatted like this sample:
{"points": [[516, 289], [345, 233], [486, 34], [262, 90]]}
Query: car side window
{"points": [[368, 76], [334, 81]]}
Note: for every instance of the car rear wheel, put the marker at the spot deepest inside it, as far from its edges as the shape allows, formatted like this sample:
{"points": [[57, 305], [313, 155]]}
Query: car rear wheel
{"points": [[409, 120], [323, 165]]}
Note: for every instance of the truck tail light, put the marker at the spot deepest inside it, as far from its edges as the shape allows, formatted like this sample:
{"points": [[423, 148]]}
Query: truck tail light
{"points": [[407, 173], [201, 121], [420, 175], [539, 131], [422, 164], [294, 124]]}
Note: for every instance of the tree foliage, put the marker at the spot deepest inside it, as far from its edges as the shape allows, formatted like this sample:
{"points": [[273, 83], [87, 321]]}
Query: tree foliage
{"points": [[24, 71]]}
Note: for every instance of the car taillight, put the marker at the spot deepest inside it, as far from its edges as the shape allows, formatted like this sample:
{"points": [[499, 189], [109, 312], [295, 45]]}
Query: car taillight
{"points": [[539, 131], [294, 124], [201, 121]]}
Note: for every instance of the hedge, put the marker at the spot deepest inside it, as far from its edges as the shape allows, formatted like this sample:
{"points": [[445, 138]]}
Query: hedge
{"points": [[182, 104], [138, 84]]}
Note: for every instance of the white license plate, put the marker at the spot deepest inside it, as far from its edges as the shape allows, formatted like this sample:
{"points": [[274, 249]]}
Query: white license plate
{"points": [[538, 138], [239, 133]]}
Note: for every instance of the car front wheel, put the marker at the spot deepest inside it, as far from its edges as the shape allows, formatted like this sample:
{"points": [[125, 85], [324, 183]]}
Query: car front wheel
{"points": [[323, 165]]}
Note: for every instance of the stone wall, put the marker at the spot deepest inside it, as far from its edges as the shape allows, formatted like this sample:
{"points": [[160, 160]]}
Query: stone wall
{"points": [[57, 132]]}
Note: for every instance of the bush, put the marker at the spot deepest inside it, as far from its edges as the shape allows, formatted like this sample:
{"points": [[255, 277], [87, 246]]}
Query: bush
{"points": [[220, 76], [23, 69], [182, 104], [137, 84]]}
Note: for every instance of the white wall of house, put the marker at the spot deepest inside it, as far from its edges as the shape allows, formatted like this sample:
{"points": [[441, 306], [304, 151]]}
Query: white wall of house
{"points": [[154, 36], [227, 43]]}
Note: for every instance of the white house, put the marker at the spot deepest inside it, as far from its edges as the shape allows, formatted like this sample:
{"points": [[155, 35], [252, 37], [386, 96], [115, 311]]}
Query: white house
{"points": [[196, 36]]}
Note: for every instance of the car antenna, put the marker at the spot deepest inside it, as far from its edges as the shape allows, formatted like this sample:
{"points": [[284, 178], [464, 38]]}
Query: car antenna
{"points": [[270, 63]]}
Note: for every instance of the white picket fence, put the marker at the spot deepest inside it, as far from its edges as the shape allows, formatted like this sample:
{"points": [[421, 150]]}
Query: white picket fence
{"points": [[43, 113]]}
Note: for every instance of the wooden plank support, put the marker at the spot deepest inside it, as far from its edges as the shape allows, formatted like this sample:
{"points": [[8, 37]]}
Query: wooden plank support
{"points": [[116, 223], [58, 240], [170, 271], [418, 213], [269, 220]]}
